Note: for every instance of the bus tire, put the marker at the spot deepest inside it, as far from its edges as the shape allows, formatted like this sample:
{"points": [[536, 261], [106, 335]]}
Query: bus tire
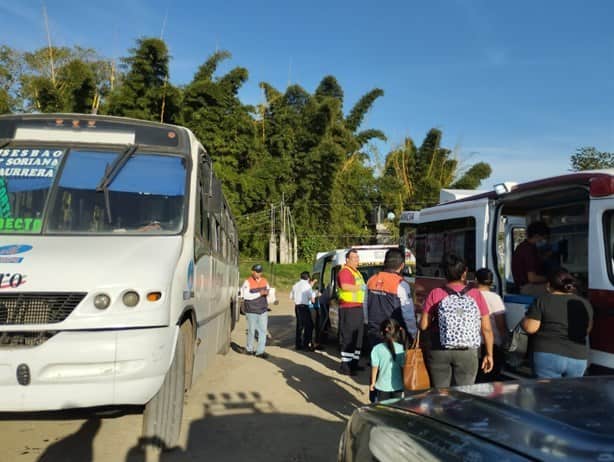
{"points": [[163, 413]]}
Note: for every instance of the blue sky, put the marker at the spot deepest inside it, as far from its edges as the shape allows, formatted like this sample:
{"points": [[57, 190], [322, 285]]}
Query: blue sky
{"points": [[519, 85]]}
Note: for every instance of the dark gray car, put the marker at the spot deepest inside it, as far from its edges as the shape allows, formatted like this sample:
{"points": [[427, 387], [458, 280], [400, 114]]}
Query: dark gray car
{"points": [[558, 419]]}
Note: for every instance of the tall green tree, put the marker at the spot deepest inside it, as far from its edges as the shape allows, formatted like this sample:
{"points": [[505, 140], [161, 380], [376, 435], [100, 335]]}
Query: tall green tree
{"points": [[212, 109], [413, 177], [146, 92], [63, 80], [589, 158], [11, 69]]}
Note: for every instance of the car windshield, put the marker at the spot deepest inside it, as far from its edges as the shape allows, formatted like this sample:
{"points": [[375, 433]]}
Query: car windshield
{"points": [[146, 195], [368, 271]]}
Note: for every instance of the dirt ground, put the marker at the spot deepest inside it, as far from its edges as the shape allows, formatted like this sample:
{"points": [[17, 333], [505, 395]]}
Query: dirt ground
{"points": [[290, 407]]}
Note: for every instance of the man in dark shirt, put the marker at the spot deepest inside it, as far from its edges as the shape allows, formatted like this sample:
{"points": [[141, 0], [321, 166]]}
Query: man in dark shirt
{"points": [[527, 266]]}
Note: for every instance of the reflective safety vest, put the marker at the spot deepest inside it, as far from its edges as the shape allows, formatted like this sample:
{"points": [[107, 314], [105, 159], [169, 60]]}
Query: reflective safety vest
{"points": [[349, 298], [258, 305]]}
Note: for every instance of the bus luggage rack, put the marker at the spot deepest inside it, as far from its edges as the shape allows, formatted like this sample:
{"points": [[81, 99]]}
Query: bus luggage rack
{"points": [[37, 307], [24, 339]]}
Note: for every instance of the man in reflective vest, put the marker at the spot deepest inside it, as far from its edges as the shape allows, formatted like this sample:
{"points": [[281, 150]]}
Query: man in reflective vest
{"points": [[351, 294], [389, 296], [254, 292]]}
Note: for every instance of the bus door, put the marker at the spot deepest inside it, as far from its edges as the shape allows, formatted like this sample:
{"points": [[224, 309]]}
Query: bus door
{"points": [[515, 304], [601, 282]]}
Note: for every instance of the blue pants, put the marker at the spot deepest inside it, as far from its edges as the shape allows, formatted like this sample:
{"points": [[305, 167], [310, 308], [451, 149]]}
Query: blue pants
{"points": [[550, 366], [256, 322]]}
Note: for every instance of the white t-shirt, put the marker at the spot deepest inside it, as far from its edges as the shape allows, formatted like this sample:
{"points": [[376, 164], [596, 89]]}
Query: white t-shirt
{"points": [[495, 306], [301, 292]]}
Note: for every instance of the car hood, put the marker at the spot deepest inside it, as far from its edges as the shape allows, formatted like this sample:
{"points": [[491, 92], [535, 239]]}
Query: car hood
{"points": [[548, 419]]}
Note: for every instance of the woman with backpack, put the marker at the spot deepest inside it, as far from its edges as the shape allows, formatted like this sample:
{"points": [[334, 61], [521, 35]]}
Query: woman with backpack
{"points": [[455, 315], [559, 323], [387, 360]]}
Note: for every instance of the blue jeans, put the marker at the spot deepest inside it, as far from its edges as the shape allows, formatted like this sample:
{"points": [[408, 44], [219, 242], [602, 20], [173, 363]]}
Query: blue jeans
{"points": [[256, 322], [551, 366]]}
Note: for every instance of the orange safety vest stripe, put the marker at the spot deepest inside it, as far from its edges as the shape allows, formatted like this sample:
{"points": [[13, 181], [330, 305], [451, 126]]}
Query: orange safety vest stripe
{"points": [[259, 284], [384, 282]]}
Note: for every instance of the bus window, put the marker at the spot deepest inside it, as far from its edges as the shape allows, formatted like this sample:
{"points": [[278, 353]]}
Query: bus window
{"points": [[435, 239], [147, 195]]}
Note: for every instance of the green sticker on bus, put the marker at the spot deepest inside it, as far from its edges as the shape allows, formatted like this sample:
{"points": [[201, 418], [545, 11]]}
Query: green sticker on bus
{"points": [[5, 204], [21, 225]]}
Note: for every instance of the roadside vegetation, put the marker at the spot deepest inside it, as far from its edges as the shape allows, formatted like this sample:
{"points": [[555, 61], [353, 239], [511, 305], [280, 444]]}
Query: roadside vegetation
{"points": [[307, 147]]}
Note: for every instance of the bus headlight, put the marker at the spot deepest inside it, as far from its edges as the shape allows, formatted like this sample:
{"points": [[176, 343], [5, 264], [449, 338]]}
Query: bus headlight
{"points": [[130, 299], [102, 301]]}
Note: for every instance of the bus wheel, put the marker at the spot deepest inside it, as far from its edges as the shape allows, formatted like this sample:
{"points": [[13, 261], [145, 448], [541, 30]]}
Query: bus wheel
{"points": [[163, 414]]}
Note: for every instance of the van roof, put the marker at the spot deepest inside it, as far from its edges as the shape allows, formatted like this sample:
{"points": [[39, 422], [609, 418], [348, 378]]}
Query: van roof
{"points": [[583, 178], [368, 254]]}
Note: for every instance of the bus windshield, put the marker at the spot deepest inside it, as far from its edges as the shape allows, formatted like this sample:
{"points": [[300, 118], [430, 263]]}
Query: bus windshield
{"points": [[53, 191]]}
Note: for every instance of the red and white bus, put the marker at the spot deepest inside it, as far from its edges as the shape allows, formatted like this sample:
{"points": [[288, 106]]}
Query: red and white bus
{"points": [[485, 228]]}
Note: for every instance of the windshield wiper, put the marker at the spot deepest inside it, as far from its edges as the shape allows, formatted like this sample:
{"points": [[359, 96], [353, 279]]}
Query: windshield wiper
{"points": [[4, 142], [111, 173]]}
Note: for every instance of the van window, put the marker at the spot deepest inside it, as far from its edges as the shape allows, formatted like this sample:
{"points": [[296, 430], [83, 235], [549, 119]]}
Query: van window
{"points": [[327, 281], [435, 239]]}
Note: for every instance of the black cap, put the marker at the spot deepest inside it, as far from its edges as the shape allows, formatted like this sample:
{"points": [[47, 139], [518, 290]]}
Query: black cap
{"points": [[257, 268]]}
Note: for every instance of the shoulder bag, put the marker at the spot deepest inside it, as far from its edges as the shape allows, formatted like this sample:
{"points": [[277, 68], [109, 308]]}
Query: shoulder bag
{"points": [[518, 341], [415, 375]]}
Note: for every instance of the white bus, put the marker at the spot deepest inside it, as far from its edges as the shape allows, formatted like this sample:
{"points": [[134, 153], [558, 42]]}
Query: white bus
{"points": [[485, 228], [118, 266]]}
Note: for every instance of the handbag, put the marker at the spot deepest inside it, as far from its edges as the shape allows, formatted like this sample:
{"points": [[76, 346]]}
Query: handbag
{"points": [[518, 341], [415, 375]]}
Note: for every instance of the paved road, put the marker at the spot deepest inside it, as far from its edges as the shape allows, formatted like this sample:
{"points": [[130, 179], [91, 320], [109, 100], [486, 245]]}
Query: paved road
{"points": [[290, 407]]}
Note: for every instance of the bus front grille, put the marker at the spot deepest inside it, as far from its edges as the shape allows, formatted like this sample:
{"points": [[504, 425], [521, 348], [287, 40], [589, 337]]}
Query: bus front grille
{"points": [[37, 307], [24, 339]]}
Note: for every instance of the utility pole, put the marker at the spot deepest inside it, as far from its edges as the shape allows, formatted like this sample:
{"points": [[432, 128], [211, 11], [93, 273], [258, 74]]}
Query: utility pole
{"points": [[295, 242], [272, 240], [283, 237]]}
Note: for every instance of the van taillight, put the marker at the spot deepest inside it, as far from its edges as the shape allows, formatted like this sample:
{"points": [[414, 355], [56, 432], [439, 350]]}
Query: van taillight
{"points": [[602, 186]]}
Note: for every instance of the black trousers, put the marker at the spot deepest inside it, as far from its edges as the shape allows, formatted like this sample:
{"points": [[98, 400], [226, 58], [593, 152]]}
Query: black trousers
{"points": [[351, 327], [304, 326]]}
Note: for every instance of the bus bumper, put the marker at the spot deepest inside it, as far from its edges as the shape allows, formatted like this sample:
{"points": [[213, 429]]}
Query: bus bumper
{"points": [[76, 369]]}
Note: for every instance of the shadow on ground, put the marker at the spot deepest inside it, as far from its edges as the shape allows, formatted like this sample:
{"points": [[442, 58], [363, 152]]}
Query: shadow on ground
{"points": [[76, 447], [243, 426]]}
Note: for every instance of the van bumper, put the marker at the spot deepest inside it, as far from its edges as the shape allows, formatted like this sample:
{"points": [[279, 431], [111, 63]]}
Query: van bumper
{"points": [[76, 369]]}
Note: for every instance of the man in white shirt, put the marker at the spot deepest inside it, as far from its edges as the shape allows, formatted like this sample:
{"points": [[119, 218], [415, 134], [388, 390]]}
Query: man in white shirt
{"points": [[301, 296]]}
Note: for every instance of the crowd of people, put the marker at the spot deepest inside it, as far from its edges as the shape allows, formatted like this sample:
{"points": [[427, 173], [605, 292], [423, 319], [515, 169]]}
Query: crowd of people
{"points": [[463, 322]]}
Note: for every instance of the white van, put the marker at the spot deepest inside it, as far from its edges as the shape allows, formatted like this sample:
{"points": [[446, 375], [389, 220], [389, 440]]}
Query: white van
{"points": [[118, 266], [485, 229], [327, 267]]}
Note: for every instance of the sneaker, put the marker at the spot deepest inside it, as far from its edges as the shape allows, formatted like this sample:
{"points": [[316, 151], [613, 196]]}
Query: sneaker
{"points": [[250, 353], [262, 355]]}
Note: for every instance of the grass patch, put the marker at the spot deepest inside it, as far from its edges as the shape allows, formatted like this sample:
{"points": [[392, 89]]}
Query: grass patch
{"points": [[282, 277]]}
